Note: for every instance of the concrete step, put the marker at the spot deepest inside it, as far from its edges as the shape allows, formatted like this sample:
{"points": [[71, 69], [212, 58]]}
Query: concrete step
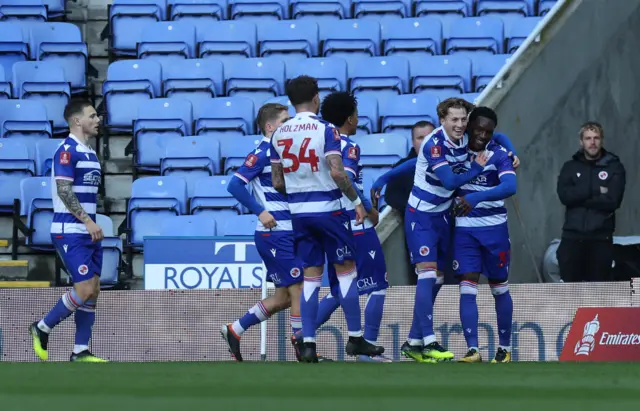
{"points": [[14, 269]]}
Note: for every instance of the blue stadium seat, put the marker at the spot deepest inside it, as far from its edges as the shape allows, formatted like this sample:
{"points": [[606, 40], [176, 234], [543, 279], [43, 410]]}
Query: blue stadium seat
{"points": [[288, 40], [62, 43], [9, 191], [5, 85], [545, 6], [381, 150], [191, 158], [152, 200], [36, 205], [255, 78], [127, 19], [440, 73], [461, 8], [400, 113], [411, 36], [189, 226], [158, 122], [284, 100], [23, 10], [195, 11], [369, 176], [477, 34], [15, 159], [212, 199], [321, 10], [517, 33], [43, 81], [167, 41], [350, 39], [331, 72], [381, 77], [193, 79], [55, 8], [128, 83], [45, 148], [259, 10], [240, 225], [505, 7], [229, 116], [470, 97], [379, 8], [111, 251], [227, 39], [485, 67], [14, 45], [25, 120], [234, 151], [367, 114]]}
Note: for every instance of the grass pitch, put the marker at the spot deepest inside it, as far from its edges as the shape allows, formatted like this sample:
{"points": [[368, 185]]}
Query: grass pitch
{"points": [[327, 387]]}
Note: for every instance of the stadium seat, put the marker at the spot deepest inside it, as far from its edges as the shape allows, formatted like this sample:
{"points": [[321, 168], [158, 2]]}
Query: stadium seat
{"points": [[23, 10], [167, 41], [288, 40], [545, 6], [25, 120], [284, 100], [196, 11], [411, 36], [381, 150], [400, 113], [380, 8], [255, 78], [128, 83], [229, 116], [45, 148], [43, 81], [477, 34], [212, 199], [9, 191], [331, 72], [240, 225], [62, 43], [111, 251], [14, 46], [227, 40], [234, 151], [461, 8], [152, 200], [36, 205], [350, 39], [320, 10], [367, 114], [440, 73], [470, 97], [516, 34], [259, 10], [191, 158], [5, 85], [197, 80], [381, 77], [369, 176], [485, 67], [504, 7], [127, 19], [158, 122], [15, 159], [189, 226]]}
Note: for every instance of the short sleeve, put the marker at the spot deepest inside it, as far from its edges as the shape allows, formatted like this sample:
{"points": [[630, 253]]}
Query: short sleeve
{"points": [[332, 141], [504, 165], [63, 164], [274, 156], [351, 158], [434, 155], [252, 167]]}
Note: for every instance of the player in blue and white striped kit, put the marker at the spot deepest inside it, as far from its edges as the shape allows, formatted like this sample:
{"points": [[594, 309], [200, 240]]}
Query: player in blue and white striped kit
{"points": [[481, 235], [76, 177]]}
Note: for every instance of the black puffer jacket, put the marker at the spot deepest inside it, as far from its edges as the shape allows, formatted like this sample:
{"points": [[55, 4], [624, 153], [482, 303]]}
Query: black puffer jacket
{"points": [[590, 214]]}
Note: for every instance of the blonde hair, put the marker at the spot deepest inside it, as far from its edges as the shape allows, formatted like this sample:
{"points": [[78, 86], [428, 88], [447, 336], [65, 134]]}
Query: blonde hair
{"points": [[269, 112], [591, 126], [453, 102]]}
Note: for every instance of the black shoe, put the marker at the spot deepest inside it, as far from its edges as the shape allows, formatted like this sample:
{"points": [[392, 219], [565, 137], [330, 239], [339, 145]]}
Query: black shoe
{"points": [[41, 335], [297, 347], [86, 356], [308, 353], [359, 346], [232, 340], [324, 359]]}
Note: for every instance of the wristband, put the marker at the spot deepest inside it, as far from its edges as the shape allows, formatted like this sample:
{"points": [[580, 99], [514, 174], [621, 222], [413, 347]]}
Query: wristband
{"points": [[357, 202]]}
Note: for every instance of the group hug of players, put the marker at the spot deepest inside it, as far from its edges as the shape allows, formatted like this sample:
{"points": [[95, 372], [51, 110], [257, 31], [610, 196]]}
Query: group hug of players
{"points": [[306, 180]]}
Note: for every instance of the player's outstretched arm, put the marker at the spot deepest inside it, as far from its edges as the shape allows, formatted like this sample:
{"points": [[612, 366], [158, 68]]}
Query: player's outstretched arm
{"points": [[71, 202], [238, 189], [406, 168], [507, 187], [450, 180], [277, 178]]}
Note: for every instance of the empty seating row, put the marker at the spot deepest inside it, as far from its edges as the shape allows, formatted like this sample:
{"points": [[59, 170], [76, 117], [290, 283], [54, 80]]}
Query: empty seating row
{"points": [[351, 38], [60, 42], [32, 10]]}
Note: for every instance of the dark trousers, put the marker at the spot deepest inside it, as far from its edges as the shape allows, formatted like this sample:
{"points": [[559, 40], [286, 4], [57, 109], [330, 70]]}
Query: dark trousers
{"points": [[585, 260]]}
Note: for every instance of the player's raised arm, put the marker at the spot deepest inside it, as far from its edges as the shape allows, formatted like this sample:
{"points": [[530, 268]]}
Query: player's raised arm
{"points": [[440, 166]]}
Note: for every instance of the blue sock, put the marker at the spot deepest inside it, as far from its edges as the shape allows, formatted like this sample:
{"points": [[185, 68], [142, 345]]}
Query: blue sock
{"points": [[424, 303], [328, 305], [469, 312], [85, 318], [504, 312], [436, 287], [256, 314], [415, 332], [309, 307], [66, 305], [350, 301], [373, 316], [296, 324]]}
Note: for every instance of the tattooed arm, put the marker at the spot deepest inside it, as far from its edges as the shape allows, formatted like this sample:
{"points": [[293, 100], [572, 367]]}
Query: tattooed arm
{"points": [[70, 200], [340, 177], [277, 178]]}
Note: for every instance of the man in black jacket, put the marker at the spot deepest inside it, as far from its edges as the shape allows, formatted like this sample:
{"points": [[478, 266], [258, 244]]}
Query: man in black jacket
{"points": [[591, 186]]}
